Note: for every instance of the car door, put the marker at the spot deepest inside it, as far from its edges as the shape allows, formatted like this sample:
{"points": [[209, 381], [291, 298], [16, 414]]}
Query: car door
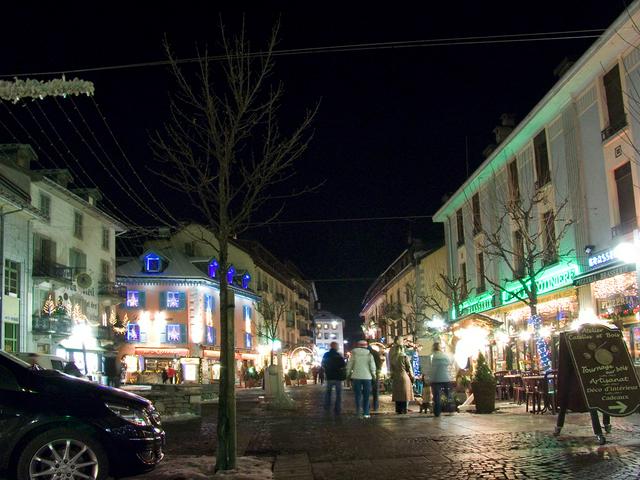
{"points": [[11, 412]]}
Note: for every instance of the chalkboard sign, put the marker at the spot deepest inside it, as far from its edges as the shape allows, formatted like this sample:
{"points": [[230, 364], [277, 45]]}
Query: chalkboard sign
{"points": [[604, 369]]}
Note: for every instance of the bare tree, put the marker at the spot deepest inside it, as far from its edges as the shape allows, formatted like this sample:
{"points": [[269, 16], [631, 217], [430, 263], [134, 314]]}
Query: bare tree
{"points": [[272, 312], [223, 148], [445, 292], [526, 238]]}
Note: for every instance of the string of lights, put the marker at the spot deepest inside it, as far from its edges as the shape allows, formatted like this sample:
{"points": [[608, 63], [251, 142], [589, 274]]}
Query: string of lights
{"points": [[130, 164], [55, 148], [436, 42]]}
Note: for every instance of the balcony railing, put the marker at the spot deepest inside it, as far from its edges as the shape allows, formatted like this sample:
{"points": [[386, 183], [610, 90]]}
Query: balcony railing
{"points": [[624, 227], [108, 289], [52, 325], [52, 270], [614, 128]]}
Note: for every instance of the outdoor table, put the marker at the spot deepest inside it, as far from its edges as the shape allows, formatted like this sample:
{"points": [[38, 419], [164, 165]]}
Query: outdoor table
{"points": [[535, 386]]}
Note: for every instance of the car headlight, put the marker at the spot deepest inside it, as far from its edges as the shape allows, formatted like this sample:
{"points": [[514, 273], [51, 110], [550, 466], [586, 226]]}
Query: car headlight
{"points": [[137, 417]]}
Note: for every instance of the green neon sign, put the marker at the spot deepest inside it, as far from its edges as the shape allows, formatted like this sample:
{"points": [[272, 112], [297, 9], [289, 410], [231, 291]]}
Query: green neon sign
{"points": [[551, 279], [476, 304]]}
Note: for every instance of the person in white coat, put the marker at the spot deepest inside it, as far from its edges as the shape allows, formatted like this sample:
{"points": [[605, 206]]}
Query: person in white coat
{"points": [[361, 369]]}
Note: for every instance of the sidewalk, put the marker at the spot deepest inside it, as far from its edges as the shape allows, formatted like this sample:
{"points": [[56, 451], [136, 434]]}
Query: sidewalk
{"points": [[509, 444]]}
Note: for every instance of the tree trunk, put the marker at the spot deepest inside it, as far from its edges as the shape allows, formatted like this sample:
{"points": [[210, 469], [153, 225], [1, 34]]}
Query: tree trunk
{"points": [[226, 431]]}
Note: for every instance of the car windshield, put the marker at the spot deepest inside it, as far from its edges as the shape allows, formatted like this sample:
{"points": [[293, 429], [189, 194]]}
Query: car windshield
{"points": [[11, 358]]}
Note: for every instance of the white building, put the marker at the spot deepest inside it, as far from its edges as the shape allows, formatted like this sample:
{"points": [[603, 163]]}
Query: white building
{"points": [[578, 145], [328, 328], [67, 275]]}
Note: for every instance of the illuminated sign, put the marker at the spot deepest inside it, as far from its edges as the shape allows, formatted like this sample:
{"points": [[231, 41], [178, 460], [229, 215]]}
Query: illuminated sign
{"points": [[602, 258], [549, 280], [476, 304]]}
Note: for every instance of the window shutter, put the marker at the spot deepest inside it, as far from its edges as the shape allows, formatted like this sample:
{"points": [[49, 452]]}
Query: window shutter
{"points": [[183, 333], [183, 300], [142, 300], [163, 301]]}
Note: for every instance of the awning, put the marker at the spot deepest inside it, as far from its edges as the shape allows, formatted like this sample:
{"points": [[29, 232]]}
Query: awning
{"points": [[597, 275]]}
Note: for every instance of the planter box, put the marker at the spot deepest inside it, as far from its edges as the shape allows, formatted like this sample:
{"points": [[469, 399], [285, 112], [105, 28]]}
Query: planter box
{"points": [[484, 395]]}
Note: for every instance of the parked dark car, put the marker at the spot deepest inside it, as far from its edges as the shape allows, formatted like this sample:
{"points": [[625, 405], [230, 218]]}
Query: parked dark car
{"points": [[55, 426]]}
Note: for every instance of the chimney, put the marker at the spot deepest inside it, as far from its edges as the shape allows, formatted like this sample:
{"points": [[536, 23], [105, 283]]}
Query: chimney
{"points": [[61, 176], [19, 154], [563, 67], [502, 131], [91, 195]]}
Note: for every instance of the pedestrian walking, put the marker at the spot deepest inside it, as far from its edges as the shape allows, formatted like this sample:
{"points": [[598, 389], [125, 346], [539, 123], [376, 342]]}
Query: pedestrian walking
{"points": [[333, 366], [321, 375], [361, 369], [439, 375], [314, 372], [377, 359], [165, 375], [401, 377], [171, 374]]}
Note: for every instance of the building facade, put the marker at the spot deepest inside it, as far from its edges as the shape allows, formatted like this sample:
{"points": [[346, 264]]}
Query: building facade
{"points": [[575, 153], [171, 316], [63, 286], [328, 328]]}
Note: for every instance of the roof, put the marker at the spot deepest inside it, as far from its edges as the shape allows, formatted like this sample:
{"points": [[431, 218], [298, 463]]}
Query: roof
{"points": [[179, 266], [266, 260]]}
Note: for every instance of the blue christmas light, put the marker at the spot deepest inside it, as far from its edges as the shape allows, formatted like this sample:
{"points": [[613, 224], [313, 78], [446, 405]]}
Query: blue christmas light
{"points": [[541, 344]]}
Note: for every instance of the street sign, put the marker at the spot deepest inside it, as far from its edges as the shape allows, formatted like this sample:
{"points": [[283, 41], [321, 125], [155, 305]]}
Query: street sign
{"points": [[604, 369]]}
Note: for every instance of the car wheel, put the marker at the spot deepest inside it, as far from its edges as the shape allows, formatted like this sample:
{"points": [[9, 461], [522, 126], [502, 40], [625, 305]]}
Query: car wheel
{"points": [[63, 454]]}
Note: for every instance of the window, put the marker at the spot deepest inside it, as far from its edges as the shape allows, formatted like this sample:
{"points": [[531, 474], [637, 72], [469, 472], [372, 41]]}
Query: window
{"points": [[133, 333], [189, 249], [11, 278], [326, 336], [77, 260], [175, 333], [152, 263], [480, 280], [477, 220], [326, 326], [549, 238], [211, 335], [105, 271], [514, 184], [44, 250], [208, 303], [105, 238], [541, 154], [77, 225], [518, 254], [614, 101], [45, 206], [135, 299], [320, 336], [463, 278], [626, 203], [333, 336], [460, 225], [246, 310], [173, 300], [11, 343], [248, 340]]}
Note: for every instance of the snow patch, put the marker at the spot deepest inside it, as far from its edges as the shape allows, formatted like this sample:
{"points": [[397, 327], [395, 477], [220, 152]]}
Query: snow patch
{"points": [[191, 467]]}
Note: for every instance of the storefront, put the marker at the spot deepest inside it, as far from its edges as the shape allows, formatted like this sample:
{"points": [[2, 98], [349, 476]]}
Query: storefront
{"points": [[614, 290], [145, 365]]}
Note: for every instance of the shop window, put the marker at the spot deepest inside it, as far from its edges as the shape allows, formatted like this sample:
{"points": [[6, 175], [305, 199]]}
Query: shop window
{"points": [[11, 337], [173, 300], [135, 299], [11, 278]]}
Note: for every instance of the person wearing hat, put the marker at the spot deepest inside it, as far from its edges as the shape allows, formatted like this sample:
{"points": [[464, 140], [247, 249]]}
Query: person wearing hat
{"points": [[401, 377], [361, 369]]}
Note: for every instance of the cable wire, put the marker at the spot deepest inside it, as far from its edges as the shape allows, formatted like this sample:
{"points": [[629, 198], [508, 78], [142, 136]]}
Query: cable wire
{"points": [[438, 42]]}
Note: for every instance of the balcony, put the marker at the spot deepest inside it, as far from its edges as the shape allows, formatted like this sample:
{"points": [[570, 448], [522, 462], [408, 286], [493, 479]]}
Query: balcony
{"points": [[52, 325], [112, 290], [613, 128], [52, 271], [624, 227]]}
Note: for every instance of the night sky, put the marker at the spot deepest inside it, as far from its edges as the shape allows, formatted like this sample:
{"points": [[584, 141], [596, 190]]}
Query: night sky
{"points": [[389, 139]]}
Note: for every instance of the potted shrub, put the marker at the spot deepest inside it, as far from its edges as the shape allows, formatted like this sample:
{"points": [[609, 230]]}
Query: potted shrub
{"points": [[484, 387]]}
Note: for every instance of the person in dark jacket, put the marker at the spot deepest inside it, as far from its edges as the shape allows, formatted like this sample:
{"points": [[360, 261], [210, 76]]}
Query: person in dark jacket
{"points": [[374, 383], [334, 368]]}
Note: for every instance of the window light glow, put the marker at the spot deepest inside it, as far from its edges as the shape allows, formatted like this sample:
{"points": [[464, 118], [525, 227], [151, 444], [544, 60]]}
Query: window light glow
{"points": [[471, 341]]}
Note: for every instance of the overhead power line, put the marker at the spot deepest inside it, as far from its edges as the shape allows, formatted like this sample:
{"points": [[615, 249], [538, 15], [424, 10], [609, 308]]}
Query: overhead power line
{"points": [[357, 47]]}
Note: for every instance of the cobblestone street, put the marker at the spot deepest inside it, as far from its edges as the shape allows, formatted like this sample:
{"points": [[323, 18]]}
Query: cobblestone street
{"points": [[508, 444]]}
